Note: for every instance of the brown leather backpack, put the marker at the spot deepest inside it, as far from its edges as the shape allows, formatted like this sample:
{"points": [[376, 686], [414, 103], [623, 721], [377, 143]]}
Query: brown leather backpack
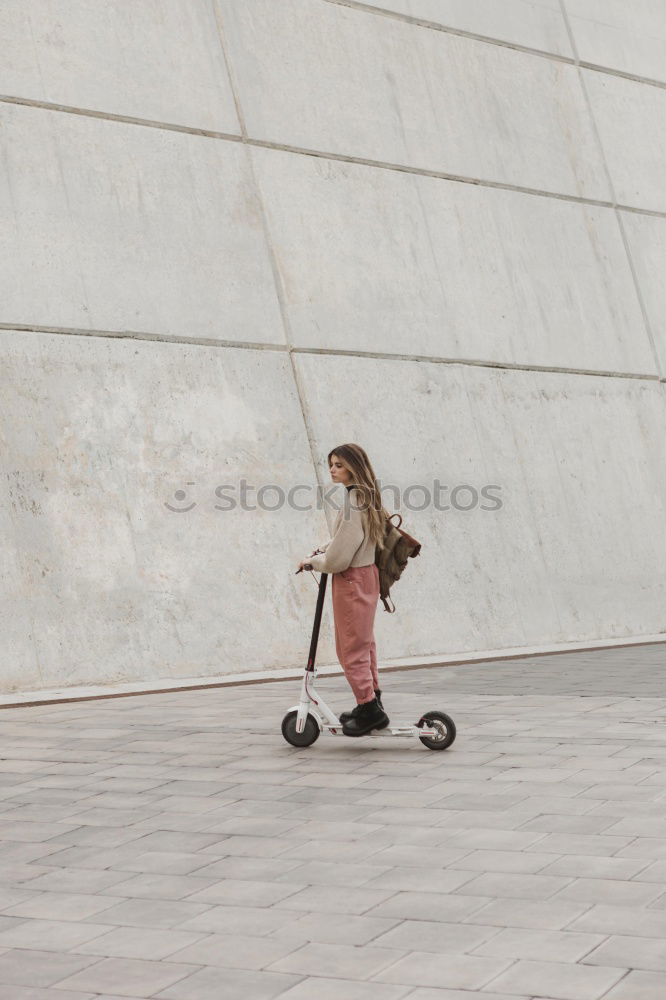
{"points": [[392, 559]]}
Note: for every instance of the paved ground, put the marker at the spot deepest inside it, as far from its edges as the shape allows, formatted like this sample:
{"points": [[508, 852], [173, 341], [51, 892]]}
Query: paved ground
{"points": [[153, 849]]}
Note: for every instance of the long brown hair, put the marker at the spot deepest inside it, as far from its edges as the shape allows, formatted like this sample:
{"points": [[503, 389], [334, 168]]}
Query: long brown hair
{"points": [[354, 458]]}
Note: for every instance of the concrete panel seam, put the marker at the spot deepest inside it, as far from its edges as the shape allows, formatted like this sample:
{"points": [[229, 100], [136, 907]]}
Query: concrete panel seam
{"points": [[277, 279], [217, 14], [478, 362], [618, 217], [113, 117], [596, 68], [421, 22], [640, 211], [443, 175], [246, 345], [141, 335], [341, 157]]}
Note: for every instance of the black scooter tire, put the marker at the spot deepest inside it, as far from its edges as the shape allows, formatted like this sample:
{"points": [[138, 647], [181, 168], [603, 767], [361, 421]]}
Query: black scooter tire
{"points": [[305, 739], [448, 734]]}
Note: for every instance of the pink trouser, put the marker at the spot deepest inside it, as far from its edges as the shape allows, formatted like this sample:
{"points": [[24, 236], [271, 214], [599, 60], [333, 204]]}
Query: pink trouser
{"points": [[355, 596]]}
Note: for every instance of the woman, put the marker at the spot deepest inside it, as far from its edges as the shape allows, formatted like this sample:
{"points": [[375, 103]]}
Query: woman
{"points": [[350, 558]]}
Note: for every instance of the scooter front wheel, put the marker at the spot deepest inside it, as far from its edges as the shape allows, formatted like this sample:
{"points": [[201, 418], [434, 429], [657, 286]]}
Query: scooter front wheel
{"points": [[445, 726], [305, 739]]}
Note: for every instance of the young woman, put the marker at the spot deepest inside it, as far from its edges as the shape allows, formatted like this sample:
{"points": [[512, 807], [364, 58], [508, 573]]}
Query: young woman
{"points": [[350, 559]]}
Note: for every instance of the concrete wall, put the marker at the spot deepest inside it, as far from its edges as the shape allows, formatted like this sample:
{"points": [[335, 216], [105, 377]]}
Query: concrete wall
{"points": [[237, 233]]}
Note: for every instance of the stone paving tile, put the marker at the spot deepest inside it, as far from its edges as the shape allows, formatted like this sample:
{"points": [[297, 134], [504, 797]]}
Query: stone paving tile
{"points": [[269, 825], [553, 915], [492, 840], [631, 953], [337, 899], [609, 810], [129, 977], [436, 936], [76, 881], [660, 903], [598, 846], [32, 967], [163, 863], [638, 826], [322, 988], [93, 857], [421, 880], [29, 832], [144, 942], [620, 892], [51, 935], [581, 865], [151, 912], [254, 869], [7, 922], [97, 836], [148, 851], [236, 951], [239, 920], [335, 928], [423, 836], [189, 842], [424, 993], [421, 968], [250, 847], [650, 848], [623, 920], [564, 981], [555, 946], [410, 855], [334, 873], [510, 886], [245, 892], [35, 993], [510, 862], [24, 853], [589, 824], [424, 905], [21, 874], [655, 872], [638, 985], [210, 984], [155, 886], [337, 960], [61, 906], [175, 822], [332, 831]]}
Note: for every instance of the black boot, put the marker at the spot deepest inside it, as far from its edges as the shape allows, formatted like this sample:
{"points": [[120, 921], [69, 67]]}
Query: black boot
{"points": [[369, 716], [346, 716]]}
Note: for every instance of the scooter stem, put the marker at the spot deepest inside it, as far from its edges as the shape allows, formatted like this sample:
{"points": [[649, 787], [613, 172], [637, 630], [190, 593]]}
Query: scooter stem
{"points": [[317, 622]]}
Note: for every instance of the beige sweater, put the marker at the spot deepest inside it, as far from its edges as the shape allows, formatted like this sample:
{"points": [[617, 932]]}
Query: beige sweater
{"points": [[350, 544]]}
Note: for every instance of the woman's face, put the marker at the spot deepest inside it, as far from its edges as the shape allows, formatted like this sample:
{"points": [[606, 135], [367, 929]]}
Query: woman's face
{"points": [[339, 473]]}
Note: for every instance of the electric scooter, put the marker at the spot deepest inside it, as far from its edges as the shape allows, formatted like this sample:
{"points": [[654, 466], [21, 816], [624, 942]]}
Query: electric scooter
{"points": [[304, 722]]}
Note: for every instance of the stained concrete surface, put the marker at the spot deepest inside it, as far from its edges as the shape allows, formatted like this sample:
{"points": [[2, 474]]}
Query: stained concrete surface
{"points": [[237, 234]]}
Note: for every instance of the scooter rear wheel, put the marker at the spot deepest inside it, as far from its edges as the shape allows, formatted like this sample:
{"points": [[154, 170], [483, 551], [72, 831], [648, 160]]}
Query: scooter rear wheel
{"points": [[444, 724], [305, 739]]}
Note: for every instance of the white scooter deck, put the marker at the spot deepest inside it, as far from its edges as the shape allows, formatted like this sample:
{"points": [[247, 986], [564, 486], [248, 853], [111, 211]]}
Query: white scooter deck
{"points": [[313, 704]]}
